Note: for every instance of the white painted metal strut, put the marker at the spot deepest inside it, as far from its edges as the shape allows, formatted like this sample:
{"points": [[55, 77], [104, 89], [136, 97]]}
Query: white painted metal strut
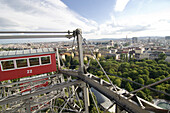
{"points": [[34, 34], [29, 80], [81, 67], [5, 32]]}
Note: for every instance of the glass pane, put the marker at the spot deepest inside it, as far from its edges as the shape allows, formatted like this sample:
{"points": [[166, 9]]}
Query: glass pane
{"points": [[34, 61], [45, 60], [21, 63], [7, 64]]}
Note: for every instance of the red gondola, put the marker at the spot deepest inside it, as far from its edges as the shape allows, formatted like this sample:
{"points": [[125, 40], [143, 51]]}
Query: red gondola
{"points": [[23, 63]]}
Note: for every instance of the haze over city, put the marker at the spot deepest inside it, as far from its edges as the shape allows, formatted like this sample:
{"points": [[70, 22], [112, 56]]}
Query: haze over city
{"points": [[97, 18]]}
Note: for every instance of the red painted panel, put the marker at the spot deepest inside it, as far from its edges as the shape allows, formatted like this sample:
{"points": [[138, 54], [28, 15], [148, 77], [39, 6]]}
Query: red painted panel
{"points": [[18, 73], [44, 84]]}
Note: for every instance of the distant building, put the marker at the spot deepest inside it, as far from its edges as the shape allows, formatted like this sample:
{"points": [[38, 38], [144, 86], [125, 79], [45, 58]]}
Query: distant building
{"points": [[95, 50], [167, 38], [87, 56], [144, 55], [113, 51], [117, 56], [149, 40], [126, 50], [63, 56], [111, 43], [134, 40], [154, 55], [98, 55], [168, 57], [126, 39], [139, 50]]}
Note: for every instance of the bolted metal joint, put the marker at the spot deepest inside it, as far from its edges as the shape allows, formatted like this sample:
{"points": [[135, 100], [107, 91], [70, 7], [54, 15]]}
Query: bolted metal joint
{"points": [[74, 33], [78, 31], [68, 32]]}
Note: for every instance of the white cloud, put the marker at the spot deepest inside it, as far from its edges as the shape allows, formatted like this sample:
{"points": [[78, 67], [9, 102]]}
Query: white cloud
{"points": [[55, 15], [41, 15], [120, 5], [152, 24]]}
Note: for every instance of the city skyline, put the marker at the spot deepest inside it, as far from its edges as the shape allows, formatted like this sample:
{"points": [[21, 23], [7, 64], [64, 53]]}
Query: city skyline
{"points": [[97, 19]]}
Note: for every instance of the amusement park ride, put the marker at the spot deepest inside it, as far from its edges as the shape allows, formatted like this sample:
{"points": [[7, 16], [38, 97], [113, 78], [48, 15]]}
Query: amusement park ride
{"points": [[25, 63], [47, 92]]}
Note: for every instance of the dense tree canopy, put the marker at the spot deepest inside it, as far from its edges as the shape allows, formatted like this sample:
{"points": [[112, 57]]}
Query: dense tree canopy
{"points": [[144, 72]]}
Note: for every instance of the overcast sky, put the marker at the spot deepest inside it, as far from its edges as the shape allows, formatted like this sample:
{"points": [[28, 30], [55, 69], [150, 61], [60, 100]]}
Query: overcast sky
{"points": [[96, 18]]}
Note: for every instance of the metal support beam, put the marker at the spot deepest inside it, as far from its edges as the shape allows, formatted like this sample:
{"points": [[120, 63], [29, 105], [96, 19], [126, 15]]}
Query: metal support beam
{"points": [[80, 50], [58, 59], [29, 80], [81, 67], [27, 105], [109, 107], [93, 99], [48, 89], [33, 36], [118, 109], [5, 32], [86, 97], [122, 101], [68, 100]]}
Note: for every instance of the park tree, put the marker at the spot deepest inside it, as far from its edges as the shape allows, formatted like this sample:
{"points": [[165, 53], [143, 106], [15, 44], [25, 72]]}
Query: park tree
{"points": [[144, 77], [142, 95], [141, 81], [162, 77], [128, 87], [117, 81], [133, 74], [161, 62], [162, 56], [112, 78], [111, 70], [124, 65], [140, 71], [144, 72], [119, 73], [150, 81], [99, 73], [125, 74], [154, 74], [122, 56], [101, 58]]}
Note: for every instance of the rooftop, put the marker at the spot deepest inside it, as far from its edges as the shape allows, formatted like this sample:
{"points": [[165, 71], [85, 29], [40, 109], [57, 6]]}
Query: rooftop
{"points": [[16, 53]]}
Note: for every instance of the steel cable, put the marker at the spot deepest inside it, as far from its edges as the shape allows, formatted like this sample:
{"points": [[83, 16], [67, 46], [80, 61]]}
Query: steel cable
{"points": [[100, 65], [93, 99]]}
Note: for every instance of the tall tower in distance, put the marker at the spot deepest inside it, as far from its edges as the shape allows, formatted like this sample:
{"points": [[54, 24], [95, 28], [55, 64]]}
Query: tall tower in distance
{"points": [[149, 40]]}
